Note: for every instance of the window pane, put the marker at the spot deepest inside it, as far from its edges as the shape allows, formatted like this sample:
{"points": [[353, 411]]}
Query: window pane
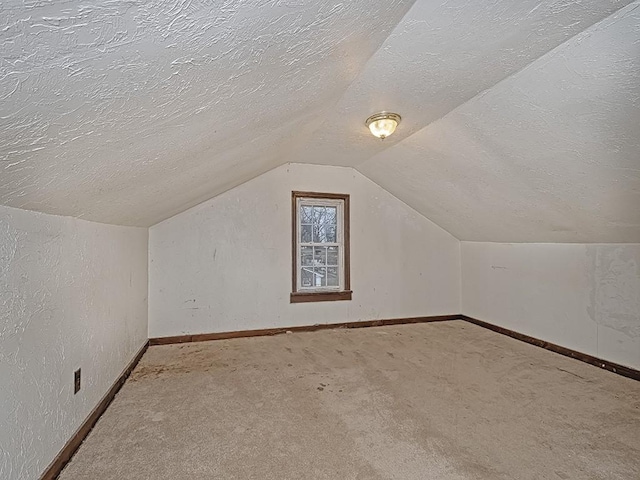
{"points": [[306, 214], [306, 277], [318, 215], [332, 256], [320, 274], [332, 277], [331, 215], [318, 224], [324, 224], [305, 236], [319, 255], [330, 232], [306, 256]]}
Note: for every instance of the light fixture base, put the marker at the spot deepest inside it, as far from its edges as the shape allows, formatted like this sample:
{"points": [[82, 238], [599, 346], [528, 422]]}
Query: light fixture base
{"points": [[383, 124]]}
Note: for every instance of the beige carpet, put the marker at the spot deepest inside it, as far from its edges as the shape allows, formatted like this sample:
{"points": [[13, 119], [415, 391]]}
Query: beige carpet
{"points": [[428, 401]]}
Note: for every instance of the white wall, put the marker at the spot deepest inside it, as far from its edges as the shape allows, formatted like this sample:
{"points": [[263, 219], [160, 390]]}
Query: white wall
{"points": [[225, 264], [584, 297], [73, 294]]}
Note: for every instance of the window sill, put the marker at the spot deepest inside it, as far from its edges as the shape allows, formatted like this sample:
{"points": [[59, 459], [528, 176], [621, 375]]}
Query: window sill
{"points": [[303, 297]]}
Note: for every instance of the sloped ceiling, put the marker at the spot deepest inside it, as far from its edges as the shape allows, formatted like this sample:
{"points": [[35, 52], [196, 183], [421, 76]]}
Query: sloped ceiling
{"points": [[128, 112], [520, 119], [550, 154]]}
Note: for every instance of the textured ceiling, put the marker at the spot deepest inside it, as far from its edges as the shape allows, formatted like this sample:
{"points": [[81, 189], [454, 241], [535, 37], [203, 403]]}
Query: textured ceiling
{"points": [[551, 154], [516, 126], [439, 56], [128, 112]]}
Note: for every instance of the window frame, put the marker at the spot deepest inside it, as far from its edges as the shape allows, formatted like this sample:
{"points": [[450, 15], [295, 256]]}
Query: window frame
{"points": [[343, 292]]}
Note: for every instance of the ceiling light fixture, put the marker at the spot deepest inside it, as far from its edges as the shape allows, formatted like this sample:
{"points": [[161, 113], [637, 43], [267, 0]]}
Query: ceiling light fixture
{"points": [[383, 124]]}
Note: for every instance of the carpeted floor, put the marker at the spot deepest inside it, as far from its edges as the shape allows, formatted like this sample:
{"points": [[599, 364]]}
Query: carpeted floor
{"points": [[427, 401]]}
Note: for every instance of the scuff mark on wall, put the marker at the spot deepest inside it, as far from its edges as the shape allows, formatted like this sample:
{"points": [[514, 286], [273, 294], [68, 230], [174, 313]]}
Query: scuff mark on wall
{"points": [[614, 297]]}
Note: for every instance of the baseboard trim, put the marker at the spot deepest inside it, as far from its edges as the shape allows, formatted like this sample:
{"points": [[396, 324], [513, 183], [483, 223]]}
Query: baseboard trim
{"points": [[202, 337], [583, 357], [567, 352], [71, 447], [57, 465]]}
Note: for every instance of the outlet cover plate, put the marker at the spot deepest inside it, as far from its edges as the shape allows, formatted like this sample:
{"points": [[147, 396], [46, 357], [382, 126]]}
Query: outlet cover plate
{"points": [[76, 381]]}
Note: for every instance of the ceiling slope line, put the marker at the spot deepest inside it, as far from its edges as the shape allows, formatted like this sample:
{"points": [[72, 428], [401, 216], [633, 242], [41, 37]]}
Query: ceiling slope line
{"points": [[410, 207], [504, 79], [331, 107], [295, 150], [290, 66], [201, 203]]}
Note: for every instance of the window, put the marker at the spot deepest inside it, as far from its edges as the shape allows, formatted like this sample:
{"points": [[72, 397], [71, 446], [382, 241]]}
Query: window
{"points": [[320, 247]]}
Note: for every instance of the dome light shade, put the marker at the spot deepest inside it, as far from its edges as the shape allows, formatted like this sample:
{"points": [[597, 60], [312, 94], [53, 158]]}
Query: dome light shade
{"points": [[383, 124]]}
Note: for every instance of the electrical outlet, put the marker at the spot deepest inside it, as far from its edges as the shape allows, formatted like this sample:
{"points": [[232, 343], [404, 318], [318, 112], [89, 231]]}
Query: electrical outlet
{"points": [[76, 381]]}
